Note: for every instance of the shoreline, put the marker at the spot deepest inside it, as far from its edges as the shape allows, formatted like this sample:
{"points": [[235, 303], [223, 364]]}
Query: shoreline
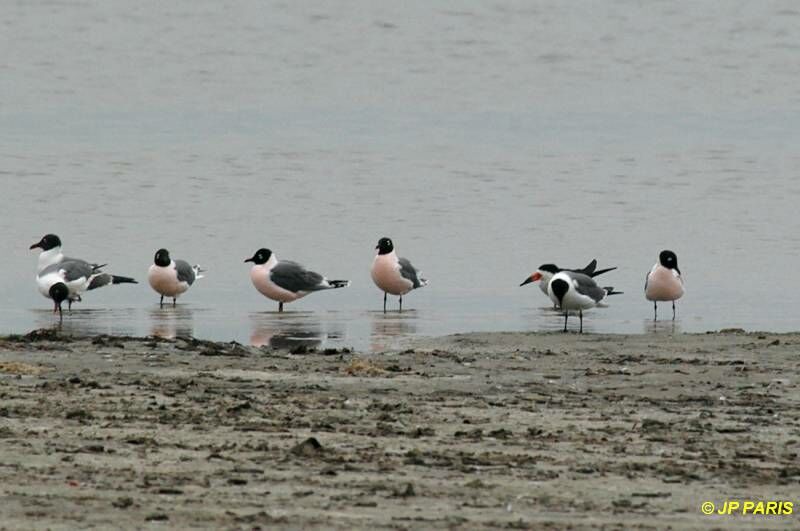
{"points": [[488, 430]]}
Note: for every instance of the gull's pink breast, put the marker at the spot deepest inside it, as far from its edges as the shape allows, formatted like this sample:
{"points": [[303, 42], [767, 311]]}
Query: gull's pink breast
{"points": [[165, 281], [259, 275], [662, 285], [387, 277]]}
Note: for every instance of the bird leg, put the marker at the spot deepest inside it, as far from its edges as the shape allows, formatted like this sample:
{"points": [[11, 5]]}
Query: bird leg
{"points": [[655, 311], [673, 310], [69, 305], [280, 307], [384, 301], [580, 315], [401, 304], [566, 314], [161, 302], [174, 301]]}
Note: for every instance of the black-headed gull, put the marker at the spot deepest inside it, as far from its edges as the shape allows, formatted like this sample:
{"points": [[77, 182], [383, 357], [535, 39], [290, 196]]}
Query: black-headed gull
{"points": [[171, 278], [664, 282], [392, 274], [61, 278], [576, 291], [285, 281]]}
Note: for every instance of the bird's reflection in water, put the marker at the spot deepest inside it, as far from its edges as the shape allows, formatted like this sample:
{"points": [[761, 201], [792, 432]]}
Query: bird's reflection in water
{"points": [[668, 327], [553, 319], [286, 330], [170, 322], [89, 322], [388, 328]]}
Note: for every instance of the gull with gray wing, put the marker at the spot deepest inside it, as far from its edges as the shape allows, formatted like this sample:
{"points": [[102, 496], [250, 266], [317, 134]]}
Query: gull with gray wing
{"points": [[664, 282], [171, 278], [576, 291], [64, 279], [546, 271], [286, 281], [393, 274]]}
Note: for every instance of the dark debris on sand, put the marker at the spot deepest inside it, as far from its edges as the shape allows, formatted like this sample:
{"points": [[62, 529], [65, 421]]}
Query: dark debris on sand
{"points": [[488, 431]]}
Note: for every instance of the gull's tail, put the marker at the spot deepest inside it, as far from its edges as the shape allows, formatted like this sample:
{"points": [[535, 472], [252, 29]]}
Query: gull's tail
{"points": [[104, 279], [115, 279], [197, 270]]}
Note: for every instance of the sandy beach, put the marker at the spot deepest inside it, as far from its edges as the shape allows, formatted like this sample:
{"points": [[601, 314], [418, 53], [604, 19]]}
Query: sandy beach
{"points": [[501, 430]]}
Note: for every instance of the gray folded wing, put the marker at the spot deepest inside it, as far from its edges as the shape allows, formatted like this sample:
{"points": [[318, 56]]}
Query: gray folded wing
{"points": [[293, 277], [74, 269], [185, 272], [409, 272], [586, 286], [100, 280]]}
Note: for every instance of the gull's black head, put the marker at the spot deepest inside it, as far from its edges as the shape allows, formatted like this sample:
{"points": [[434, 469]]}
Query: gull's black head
{"points": [[261, 256], [59, 292], [48, 241], [669, 260], [385, 246], [162, 258], [550, 268], [559, 287]]}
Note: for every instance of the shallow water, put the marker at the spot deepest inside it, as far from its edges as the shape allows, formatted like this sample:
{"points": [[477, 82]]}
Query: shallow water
{"points": [[484, 139]]}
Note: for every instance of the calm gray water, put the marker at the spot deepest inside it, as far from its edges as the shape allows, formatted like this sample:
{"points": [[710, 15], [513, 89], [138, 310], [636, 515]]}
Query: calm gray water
{"points": [[484, 137]]}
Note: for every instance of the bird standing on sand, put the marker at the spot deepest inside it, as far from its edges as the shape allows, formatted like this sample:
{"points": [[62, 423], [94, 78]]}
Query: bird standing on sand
{"points": [[392, 274], [664, 282], [576, 291], [61, 278], [285, 281], [171, 277], [546, 271]]}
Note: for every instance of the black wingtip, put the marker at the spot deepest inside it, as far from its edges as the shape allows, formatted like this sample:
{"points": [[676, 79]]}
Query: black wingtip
{"points": [[589, 269], [339, 283], [122, 280], [610, 291], [601, 271]]}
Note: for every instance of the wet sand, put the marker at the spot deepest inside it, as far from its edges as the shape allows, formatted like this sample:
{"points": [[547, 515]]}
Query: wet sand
{"points": [[501, 430]]}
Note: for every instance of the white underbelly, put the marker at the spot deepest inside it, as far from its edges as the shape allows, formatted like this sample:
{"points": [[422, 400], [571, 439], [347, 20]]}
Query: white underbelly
{"points": [[76, 287], [574, 301]]}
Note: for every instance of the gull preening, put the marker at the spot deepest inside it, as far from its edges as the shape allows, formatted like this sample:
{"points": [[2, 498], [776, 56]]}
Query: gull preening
{"points": [[576, 291], [285, 281], [171, 278], [392, 274], [664, 282], [64, 279], [546, 271]]}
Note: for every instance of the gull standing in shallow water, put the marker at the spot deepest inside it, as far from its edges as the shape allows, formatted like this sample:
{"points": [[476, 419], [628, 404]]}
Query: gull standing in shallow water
{"points": [[171, 277], [285, 281], [392, 274], [576, 291], [664, 282], [64, 279], [546, 271]]}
